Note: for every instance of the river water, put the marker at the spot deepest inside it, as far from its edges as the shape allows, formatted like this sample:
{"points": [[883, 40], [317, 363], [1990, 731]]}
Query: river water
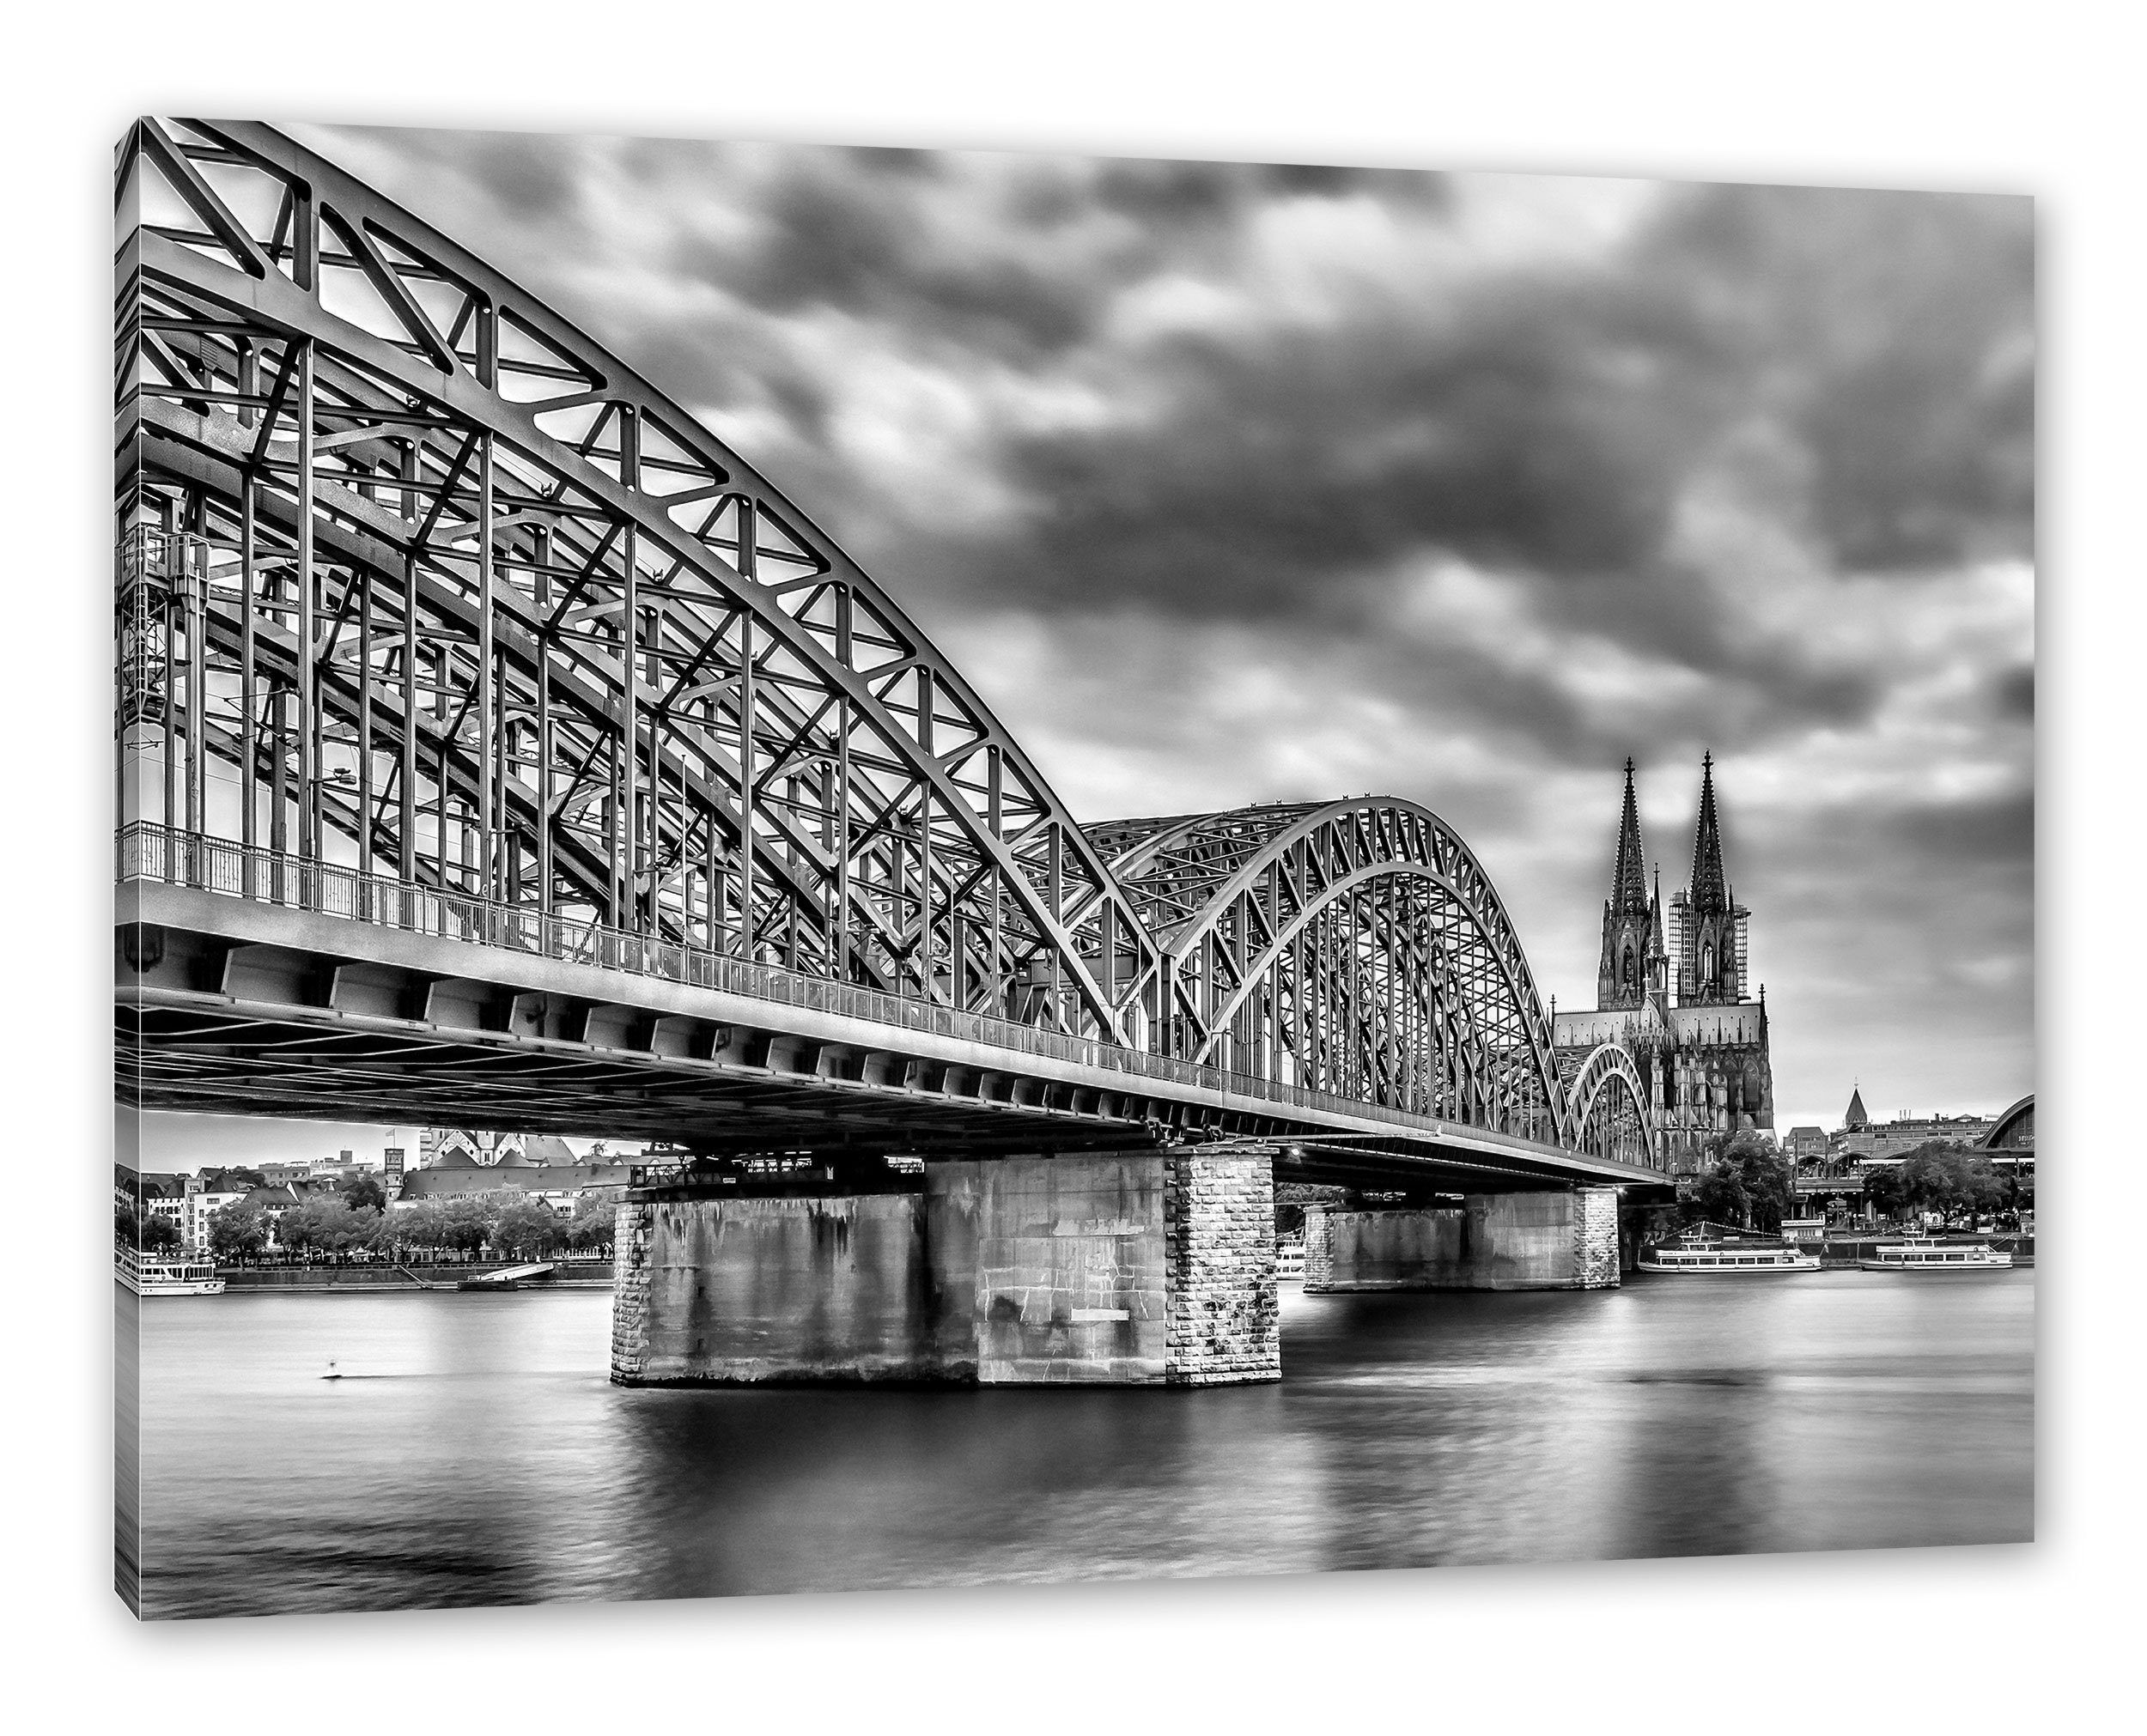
{"points": [[474, 1453]]}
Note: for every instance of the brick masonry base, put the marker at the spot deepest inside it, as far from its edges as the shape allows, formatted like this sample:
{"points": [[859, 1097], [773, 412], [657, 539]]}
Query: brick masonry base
{"points": [[1596, 1263], [630, 1233], [1218, 1233]]}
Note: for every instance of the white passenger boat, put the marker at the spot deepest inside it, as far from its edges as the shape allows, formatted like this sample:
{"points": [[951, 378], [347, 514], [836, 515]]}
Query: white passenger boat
{"points": [[166, 1277], [1928, 1253], [1698, 1256]]}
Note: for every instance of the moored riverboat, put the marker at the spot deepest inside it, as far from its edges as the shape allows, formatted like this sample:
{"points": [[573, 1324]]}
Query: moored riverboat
{"points": [[1699, 1256], [168, 1277], [1930, 1253]]}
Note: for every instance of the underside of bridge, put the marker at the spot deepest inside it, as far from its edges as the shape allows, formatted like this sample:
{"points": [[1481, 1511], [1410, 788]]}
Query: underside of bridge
{"points": [[496, 746], [226, 1004]]}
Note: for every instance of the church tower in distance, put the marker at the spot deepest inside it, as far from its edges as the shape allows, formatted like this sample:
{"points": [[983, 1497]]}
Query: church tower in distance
{"points": [[1710, 925], [1633, 964], [1681, 1012]]}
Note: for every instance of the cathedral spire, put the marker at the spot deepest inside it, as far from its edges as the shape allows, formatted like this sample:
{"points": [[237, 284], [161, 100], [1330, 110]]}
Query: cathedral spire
{"points": [[1628, 882], [1710, 942], [1710, 886], [1629, 917]]}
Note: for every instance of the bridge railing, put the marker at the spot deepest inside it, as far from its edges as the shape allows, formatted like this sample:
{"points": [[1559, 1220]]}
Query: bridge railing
{"points": [[147, 851]]}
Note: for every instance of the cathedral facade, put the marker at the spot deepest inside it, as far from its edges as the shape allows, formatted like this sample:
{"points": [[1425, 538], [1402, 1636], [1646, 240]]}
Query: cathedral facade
{"points": [[1679, 1001]]}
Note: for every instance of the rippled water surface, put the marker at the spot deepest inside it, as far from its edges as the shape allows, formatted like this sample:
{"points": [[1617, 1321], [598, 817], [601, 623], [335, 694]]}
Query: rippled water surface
{"points": [[476, 1454]]}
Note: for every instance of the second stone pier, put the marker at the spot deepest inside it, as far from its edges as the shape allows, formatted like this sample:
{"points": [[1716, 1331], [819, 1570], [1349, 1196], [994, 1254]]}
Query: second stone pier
{"points": [[1122, 1268], [1548, 1241]]}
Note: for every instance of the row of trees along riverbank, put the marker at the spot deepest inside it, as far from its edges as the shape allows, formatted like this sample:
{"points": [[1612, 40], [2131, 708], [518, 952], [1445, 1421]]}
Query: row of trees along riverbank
{"points": [[1750, 1185], [508, 1224], [1956, 1180]]}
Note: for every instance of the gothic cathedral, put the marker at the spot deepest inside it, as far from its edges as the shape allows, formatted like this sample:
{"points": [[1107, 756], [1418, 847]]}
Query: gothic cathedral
{"points": [[1681, 1009]]}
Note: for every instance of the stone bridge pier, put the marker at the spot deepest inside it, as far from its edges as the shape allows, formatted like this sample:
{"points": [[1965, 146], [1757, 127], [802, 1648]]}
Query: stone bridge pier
{"points": [[1146, 1268], [1564, 1240]]}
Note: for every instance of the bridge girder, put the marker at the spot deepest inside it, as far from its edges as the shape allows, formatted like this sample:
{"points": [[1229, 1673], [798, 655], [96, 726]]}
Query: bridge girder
{"points": [[432, 1007]]}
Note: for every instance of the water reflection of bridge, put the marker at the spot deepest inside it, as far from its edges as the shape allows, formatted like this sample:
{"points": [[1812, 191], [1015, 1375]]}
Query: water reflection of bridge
{"points": [[498, 746]]}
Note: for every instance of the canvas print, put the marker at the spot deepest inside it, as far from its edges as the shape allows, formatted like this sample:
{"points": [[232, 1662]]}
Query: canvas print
{"points": [[851, 868]]}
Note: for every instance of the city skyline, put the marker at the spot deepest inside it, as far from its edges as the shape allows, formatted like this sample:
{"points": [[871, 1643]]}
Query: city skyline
{"points": [[188, 1144]]}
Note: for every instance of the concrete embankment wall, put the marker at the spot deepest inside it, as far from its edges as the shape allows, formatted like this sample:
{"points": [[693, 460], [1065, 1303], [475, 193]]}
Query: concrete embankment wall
{"points": [[1105, 1269], [582, 1274]]}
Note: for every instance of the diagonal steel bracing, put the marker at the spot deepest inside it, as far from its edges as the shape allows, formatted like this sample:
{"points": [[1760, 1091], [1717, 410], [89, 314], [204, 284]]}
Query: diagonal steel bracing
{"points": [[413, 541], [1357, 947], [420, 585]]}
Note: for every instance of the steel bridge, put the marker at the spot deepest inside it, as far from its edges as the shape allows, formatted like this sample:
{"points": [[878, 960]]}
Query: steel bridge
{"points": [[496, 746]]}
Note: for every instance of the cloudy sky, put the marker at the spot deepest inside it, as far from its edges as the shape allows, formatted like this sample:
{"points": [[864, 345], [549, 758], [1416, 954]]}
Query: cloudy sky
{"points": [[1226, 484]]}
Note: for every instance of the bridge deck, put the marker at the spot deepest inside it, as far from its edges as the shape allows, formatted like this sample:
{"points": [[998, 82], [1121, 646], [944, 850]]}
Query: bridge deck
{"points": [[230, 1003]]}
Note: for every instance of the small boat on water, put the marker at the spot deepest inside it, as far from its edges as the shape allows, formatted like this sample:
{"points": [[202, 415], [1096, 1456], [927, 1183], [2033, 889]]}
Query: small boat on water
{"points": [[1701, 1256], [1928, 1253], [166, 1277]]}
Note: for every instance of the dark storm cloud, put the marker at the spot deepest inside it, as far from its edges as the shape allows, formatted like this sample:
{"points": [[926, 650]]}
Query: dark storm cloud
{"points": [[530, 184], [1858, 365], [1548, 422], [529, 179], [863, 232], [1872, 351], [832, 236], [1999, 828], [1287, 471], [1174, 194], [1226, 482], [1909, 317]]}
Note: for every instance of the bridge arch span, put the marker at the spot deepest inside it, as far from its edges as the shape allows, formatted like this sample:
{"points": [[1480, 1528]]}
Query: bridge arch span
{"points": [[1354, 946], [418, 577], [1607, 1108]]}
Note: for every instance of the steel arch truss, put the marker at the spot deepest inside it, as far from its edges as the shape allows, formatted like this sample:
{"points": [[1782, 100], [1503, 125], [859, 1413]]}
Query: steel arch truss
{"points": [[416, 577], [1354, 947], [1607, 1109]]}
